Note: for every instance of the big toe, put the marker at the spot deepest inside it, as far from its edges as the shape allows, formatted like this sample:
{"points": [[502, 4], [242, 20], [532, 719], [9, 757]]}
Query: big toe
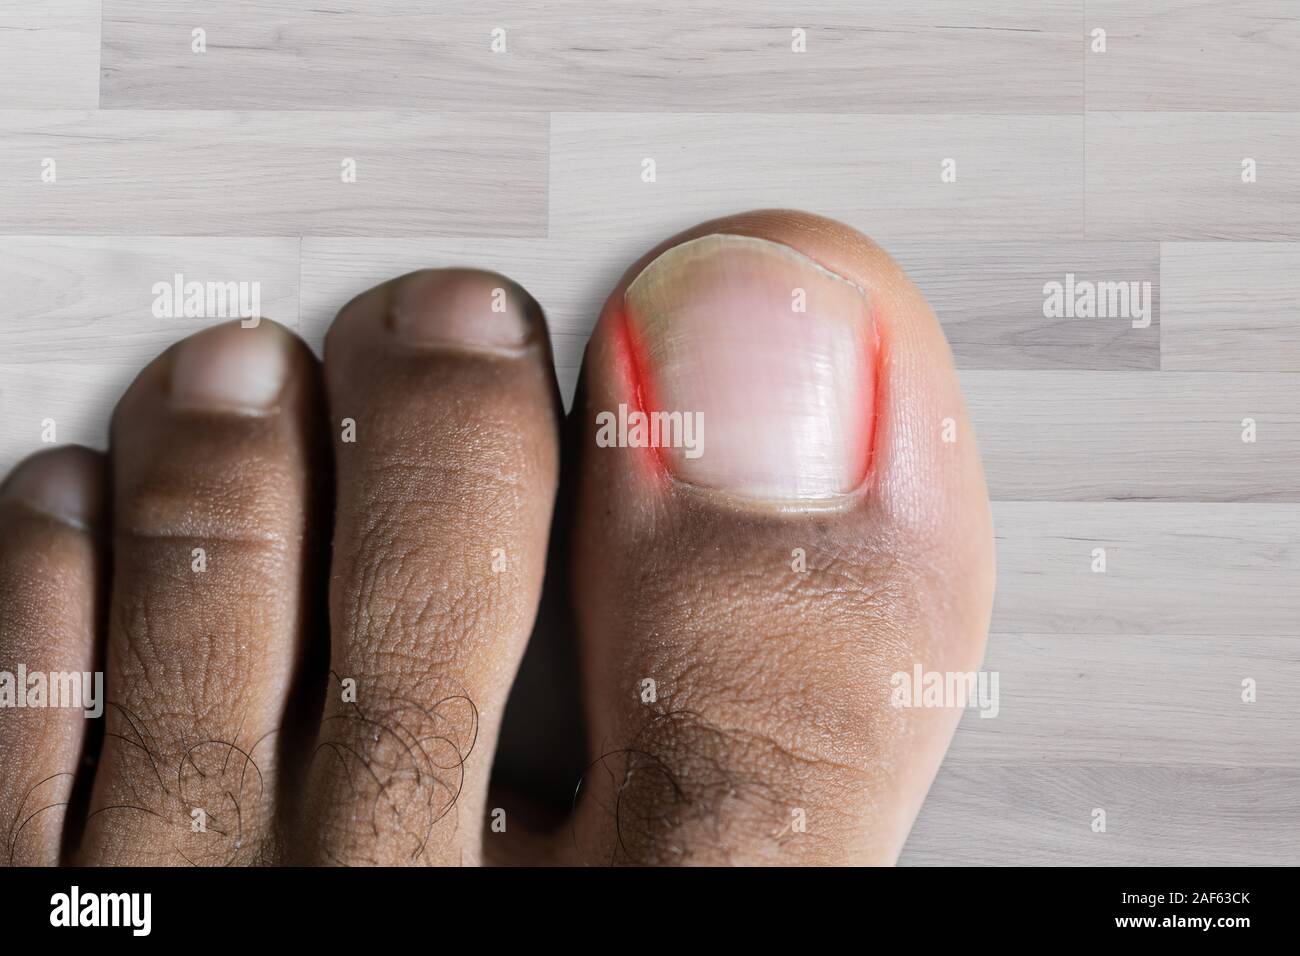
{"points": [[781, 510]]}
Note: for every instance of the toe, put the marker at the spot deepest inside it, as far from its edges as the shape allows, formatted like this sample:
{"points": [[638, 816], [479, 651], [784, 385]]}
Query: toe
{"points": [[798, 514], [50, 581], [214, 464], [444, 409]]}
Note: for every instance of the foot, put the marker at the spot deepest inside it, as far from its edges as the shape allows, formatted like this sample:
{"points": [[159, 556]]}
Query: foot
{"points": [[743, 589]]}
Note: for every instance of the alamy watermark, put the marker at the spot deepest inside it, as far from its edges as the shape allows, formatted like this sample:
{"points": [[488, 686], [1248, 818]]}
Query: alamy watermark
{"points": [[179, 299], [80, 690], [923, 688], [638, 429], [1085, 299], [130, 910]]}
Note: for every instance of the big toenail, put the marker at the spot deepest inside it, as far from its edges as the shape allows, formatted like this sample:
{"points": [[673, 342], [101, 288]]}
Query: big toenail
{"points": [[772, 355], [462, 307], [56, 486], [231, 368]]}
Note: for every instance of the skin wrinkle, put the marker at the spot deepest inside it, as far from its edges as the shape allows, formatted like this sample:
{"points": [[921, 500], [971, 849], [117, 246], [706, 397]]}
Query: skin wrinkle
{"points": [[153, 647], [379, 776], [674, 613], [242, 503], [390, 521], [683, 776], [377, 622], [190, 771]]}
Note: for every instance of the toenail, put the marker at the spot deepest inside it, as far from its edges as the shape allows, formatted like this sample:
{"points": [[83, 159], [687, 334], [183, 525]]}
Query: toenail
{"points": [[231, 368], [60, 486], [772, 354], [462, 307]]}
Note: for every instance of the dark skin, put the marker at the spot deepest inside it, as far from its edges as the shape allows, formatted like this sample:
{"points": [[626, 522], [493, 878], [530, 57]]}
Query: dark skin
{"points": [[421, 548]]}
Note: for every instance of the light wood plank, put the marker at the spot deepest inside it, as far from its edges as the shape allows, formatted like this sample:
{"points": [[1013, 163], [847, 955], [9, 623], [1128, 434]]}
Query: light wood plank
{"points": [[1179, 176], [990, 297], [74, 299], [79, 320], [1195, 55], [940, 55], [1137, 699], [1171, 436], [1027, 815], [1018, 177], [277, 174], [1230, 306], [1194, 569], [78, 397], [49, 54]]}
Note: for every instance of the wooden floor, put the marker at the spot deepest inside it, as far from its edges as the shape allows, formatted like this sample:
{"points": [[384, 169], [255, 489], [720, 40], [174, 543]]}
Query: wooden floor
{"points": [[1119, 691]]}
